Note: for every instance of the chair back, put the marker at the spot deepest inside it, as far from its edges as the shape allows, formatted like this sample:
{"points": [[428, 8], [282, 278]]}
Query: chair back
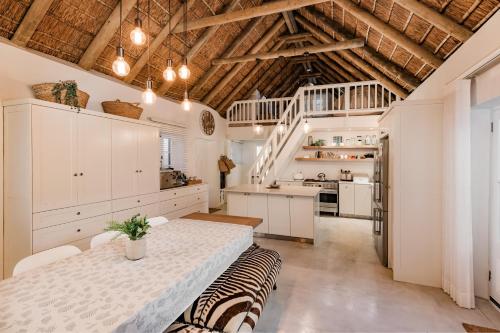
{"points": [[103, 238], [156, 221], [45, 258]]}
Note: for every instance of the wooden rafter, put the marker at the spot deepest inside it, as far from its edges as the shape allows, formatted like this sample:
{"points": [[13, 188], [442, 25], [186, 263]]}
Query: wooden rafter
{"points": [[304, 59], [293, 52], [247, 31], [269, 8], [104, 35], [435, 18], [293, 38], [293, 29], [193, 51], [355, 59], [271, 70], [292, 87], [310, 75], [157, 42], [331, 74], [286, 82], [255, 70], [267, 90], [390, 32], [345, 75], [31, 20], [277, 25], [370, 53]]}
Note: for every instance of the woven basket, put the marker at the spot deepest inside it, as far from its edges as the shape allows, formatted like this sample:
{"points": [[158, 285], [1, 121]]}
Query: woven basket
{"points": [[43, 91], [123, 109]]}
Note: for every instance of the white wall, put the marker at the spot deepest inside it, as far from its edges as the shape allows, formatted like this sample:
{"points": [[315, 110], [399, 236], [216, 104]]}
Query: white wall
{"points": [[21, 68], [244, 154]]}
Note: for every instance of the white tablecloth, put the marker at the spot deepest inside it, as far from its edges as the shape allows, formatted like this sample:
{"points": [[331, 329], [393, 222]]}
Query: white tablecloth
{"points": [[101, 291]]}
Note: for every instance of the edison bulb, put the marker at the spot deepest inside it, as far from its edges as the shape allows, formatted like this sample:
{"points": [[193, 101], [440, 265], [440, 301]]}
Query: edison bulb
{"points": [[184, 72], [138, 36], [186, 104], [169, 73], [281, 128], [148, 96], [258, 129], [120, 66], [307, 127]]}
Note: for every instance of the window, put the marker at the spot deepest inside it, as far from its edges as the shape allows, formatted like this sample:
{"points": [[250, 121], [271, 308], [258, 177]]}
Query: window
{"points": [[173, 147]]}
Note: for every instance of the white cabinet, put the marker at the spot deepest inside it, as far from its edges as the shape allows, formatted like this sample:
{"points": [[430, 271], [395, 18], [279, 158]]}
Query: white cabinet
{"points": [[135, 159], [183, 201], [279, 214], [301, 217], [346, 199], [363, 199], [54, 153], [251, 205]]}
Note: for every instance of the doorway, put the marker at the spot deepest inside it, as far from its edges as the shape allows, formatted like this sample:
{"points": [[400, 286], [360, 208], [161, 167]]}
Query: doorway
{"points": [[495, 211]]}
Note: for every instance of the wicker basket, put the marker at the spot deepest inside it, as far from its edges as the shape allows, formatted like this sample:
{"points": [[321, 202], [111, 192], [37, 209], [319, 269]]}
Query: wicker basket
{"points": [[43, 91], [123, 109]]}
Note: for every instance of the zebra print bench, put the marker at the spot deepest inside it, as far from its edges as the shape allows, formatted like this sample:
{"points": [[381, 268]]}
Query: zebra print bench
{"points": [[234, 302]]}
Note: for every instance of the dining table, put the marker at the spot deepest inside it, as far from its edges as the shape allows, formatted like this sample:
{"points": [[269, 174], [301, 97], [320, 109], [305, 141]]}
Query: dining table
{"points": [[100, 290]]}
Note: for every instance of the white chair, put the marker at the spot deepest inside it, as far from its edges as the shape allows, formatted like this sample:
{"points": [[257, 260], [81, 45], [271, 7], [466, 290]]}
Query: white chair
{"points": [[156, 221], [45, 258], [103, 238]]}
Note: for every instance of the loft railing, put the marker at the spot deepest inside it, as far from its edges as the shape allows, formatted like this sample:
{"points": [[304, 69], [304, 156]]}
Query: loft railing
{"points": [[366, 97]]}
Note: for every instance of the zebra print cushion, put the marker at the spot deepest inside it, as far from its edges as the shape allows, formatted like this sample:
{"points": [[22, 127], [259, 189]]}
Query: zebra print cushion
{"points": [[186, 328], [225, 304], [254, 314]]}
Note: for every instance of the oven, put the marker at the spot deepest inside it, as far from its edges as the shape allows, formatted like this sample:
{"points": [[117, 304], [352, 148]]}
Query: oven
{"points": [[329, 201]]}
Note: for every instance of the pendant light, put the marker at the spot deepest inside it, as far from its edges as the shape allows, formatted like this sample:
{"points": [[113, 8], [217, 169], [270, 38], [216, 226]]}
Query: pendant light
{"points": [[149, 96], [184, 71], [258, 129], [120, 66], [186, 103], [138, 36], [169, 72], [281, 128], [307, 127]]}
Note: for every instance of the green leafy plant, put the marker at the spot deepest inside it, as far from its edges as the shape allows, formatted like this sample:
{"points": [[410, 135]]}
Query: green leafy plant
{"points": [[319, 142], [71, 96], [135, 228]]}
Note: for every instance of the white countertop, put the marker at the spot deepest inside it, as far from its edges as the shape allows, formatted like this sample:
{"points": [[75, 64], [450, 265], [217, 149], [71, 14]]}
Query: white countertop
{"points": [[301, 191]]}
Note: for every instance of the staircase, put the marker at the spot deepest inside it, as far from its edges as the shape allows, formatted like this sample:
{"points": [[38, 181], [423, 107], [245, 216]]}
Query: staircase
{"points": [[290, 113]]}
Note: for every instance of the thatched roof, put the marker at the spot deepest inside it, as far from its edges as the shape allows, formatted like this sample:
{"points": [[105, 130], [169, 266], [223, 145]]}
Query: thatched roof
{"points": [[66, 29]]}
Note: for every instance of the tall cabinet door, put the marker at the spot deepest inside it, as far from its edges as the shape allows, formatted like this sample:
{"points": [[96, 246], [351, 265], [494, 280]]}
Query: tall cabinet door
{"points": [[279, 215], [54, 136], [94, 159], [123, 159], [148, 162], [257, 207], [302, 217]]}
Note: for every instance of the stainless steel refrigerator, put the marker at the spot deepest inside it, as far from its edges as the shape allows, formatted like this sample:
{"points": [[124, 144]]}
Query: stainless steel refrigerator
{"points": [[381, 200]]}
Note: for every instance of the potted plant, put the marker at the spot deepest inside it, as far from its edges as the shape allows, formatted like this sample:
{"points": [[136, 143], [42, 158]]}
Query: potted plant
{"points": [[135, 229]]}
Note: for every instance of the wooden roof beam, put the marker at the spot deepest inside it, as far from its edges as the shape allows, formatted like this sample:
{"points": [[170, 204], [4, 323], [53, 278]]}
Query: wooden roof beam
{"points": [[207, 34], [437, 19], [390, 32], [293, 52], [236, 90], [291, 89], [104, 35], [277, 25], [310, 75], [247, 31], [331, 74], [268, 8], [293, 38], [343, 74], [275, 80], [355, 59], [267, 74], [285, 84], [157, 42], [30, 21], [382, 62], [303, 59]]}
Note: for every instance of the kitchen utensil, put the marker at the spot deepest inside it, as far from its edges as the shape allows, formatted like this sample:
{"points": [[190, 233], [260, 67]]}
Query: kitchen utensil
{"points": [[321, 176], [298, 176]]}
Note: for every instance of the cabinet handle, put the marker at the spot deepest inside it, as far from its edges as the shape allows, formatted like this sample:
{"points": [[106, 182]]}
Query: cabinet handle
{"points": [[175, 205], [137, 171], [81, 173], [78, 230], [77, 213], [139, 201], [140, 170], [75, 174]]}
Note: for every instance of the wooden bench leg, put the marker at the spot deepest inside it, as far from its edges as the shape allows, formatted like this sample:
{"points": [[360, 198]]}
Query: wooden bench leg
{"points": [[275, 287]]}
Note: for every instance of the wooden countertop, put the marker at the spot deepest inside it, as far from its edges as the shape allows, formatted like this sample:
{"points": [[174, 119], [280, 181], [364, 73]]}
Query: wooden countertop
{"points": [[242, 220]]}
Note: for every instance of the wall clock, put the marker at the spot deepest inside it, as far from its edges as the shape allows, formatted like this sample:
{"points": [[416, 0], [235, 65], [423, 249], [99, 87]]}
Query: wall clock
{"points": [[207, 122]]}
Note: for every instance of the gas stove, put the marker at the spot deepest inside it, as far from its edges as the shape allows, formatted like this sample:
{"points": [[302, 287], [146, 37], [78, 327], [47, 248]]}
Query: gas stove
{"points": [[326, 184], [328, 197]]}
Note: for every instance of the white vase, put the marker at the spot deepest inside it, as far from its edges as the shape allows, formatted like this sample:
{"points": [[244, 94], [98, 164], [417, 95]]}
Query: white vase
{"points": [[135, 249]]}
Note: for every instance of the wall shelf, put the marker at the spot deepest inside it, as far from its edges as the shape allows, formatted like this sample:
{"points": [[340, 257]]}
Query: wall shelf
{"points": [[338, 147], [315, 159]]}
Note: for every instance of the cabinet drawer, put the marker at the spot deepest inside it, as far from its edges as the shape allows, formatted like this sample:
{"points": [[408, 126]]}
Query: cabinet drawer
{"points": [[126, 214], [182, 192], [132, 202], [65, 215], [47, 238], [198, 208], [181, 203]]}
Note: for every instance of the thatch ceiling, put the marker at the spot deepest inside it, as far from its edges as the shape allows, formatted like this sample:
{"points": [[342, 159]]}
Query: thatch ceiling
{"points": [[66, 29]]}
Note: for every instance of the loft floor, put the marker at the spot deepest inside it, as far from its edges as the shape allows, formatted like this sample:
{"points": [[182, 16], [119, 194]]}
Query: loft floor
{"points": [[340, 286]]}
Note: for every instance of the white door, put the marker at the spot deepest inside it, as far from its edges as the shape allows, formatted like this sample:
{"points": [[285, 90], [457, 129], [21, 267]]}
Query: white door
{"points": [[346, 199], [94, 159], [362, 199], [123, 159], [54, 158], [148, 159], [237, 204], [279, 215], [257, 207], [495, 211], [206, 157], [302, 217]]}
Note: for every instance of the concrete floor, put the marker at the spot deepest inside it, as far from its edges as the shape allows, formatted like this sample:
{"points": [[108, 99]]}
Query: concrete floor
{"points": [[340, 286]]}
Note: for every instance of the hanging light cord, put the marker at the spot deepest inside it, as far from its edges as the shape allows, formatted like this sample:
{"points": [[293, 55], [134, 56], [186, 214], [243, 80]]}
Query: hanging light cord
{"points": [[169, 41], [149, 37], [185, 31], [120, 42], [138, 12]]}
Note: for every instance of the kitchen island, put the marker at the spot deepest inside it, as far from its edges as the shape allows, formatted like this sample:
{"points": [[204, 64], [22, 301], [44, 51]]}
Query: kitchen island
{"points": [[290, 212]]}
